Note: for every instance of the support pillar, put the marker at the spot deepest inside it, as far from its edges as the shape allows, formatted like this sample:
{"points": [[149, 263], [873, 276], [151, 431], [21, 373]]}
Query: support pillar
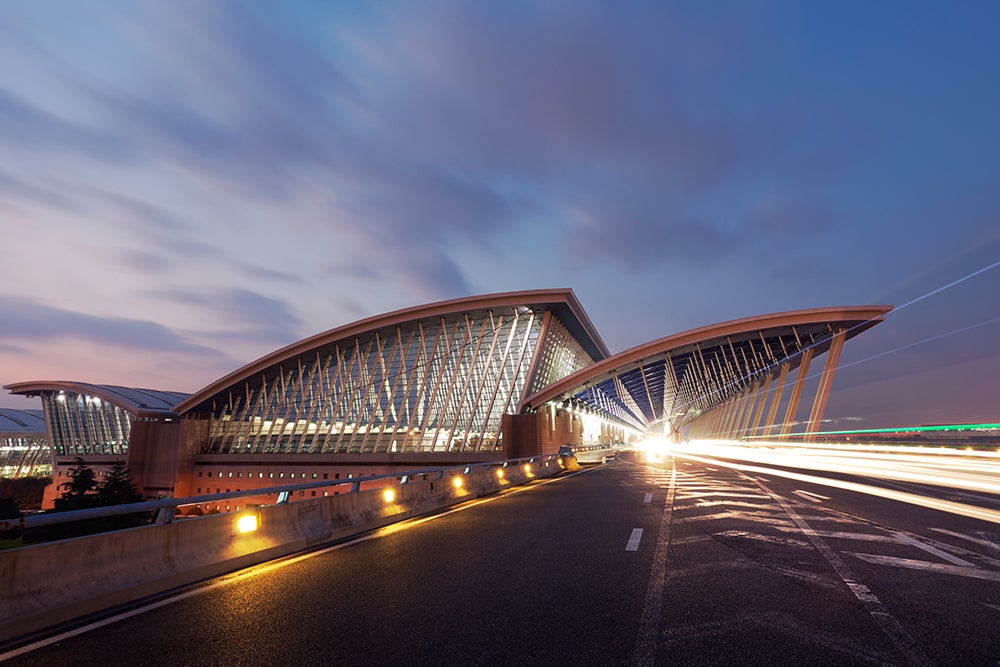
{"points": [[779, 389], [793, 400], [825, 382], [765, 386]]}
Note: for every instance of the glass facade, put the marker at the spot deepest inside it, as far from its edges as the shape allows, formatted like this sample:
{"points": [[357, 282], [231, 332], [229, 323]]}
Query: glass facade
{"points": [[440, 385], [83, 425], [23, 455]]}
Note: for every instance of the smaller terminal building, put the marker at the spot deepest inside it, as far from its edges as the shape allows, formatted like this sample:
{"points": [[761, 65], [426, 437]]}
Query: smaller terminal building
{"points": [[467, 380]]}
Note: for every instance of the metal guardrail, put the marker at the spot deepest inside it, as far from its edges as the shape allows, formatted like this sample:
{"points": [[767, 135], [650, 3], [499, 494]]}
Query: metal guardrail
{"points": [[166, 507]]}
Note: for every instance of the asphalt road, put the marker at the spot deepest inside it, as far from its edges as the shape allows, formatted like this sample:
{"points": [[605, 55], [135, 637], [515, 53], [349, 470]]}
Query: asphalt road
{"points": [[677, 562]]}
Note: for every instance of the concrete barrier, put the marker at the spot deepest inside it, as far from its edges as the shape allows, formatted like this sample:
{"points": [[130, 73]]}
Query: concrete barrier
{"points": [[44, 585]]}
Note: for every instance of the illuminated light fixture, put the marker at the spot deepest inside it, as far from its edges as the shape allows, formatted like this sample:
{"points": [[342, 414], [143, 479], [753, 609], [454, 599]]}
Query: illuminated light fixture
{"points": [[499, 473], [457, 482], [389, 496], [527, 467], [247, 523]]}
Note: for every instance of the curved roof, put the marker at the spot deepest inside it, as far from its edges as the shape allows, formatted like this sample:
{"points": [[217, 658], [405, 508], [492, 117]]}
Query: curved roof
{"points": [[22, 421], [562, 302], [678, 377], [140, 402]]}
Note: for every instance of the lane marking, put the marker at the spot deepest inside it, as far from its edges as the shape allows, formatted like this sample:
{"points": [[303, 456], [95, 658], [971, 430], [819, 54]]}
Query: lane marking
{"points": [[646, 642], [975, 540], [648, 499], [991, 605], [813, 497], [939, 568], [633, 540], [845, 535], [721, 494], [263, 568], [955, 560], [886, 621]]}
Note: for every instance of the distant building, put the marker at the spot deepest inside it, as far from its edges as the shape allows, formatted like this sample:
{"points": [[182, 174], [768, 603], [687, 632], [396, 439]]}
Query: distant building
{"points": [[467, 380], [24, 447]]}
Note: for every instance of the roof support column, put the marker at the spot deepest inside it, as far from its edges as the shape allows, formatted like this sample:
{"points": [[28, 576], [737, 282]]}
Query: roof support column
{"points": [[765, 386], [719, 431], [751, 408], [825, 382], [779, 389], [793, 400], [748, 404], [733, 415]]}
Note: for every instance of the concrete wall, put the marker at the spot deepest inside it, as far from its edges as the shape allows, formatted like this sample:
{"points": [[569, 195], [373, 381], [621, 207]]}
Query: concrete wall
{"points": [[47, 584], [541, 432]]}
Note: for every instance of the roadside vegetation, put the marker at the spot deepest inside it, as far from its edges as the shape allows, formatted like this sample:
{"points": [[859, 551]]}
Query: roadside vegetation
{"points": [[84, 490]]}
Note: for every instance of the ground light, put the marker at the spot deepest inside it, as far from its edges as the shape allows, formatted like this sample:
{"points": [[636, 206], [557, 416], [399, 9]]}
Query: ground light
{"points": [[389, 496], [499, 473], [247, 523], [457, 482]]}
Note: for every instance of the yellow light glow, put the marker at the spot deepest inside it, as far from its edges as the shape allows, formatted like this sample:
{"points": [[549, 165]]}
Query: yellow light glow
{"points": [[527, 467], [457, 482], [500, 473], [247, 523], [389, 496]]}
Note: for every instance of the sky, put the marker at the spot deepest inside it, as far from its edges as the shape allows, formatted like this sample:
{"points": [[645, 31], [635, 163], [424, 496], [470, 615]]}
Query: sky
{"points": [[187, 186]]}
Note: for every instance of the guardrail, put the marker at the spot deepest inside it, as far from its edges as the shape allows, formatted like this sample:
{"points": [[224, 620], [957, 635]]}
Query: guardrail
{"points": [[166, 507]]}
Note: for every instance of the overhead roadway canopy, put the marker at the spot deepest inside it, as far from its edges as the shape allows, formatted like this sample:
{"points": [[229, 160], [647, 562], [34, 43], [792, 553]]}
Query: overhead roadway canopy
{"points": [[678, 378]]}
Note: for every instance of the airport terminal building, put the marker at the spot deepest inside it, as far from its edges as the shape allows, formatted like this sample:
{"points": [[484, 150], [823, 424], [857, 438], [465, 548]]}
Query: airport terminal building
{"points": [[467, 380]]}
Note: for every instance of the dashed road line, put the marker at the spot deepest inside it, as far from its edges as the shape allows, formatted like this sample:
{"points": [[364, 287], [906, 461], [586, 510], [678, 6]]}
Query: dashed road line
{"points": [[648, 499], [634, 539], [644, 653]]}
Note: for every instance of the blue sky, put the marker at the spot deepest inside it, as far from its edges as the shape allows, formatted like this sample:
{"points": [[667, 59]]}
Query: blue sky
{"points": [[187, 186]]}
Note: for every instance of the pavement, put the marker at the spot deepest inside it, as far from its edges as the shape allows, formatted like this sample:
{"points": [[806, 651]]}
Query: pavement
{"points": [[668, 562]]}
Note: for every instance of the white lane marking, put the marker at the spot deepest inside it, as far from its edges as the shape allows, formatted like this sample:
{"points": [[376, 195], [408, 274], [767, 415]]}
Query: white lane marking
{"points": [[239, 575], [648, 499], [886, 621], [644, 653], [955, 560], [845, 535], [940, 568], [701, 504], [719, 494], [633, 540], [991, 605], [769, 518], [814, 497], [976, 540], [787, 541]]}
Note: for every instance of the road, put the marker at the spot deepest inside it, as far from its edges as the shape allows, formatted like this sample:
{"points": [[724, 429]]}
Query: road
{"points": [[681, 561]]}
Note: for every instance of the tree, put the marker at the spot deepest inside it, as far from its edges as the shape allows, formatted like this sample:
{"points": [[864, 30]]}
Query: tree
{"points": [[79, 489], [118, 487]]}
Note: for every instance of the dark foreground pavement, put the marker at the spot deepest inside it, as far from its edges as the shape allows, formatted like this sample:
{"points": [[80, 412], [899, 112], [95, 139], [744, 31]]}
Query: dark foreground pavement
{"points": [[674, 562]]}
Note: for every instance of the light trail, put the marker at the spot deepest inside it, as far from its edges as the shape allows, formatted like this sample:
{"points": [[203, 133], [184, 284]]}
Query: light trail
{"points": [[979, 472]]}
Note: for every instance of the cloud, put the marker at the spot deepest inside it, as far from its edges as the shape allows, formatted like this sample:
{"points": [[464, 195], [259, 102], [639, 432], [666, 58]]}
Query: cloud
{"points": [[245, 315], [24, 319]]}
